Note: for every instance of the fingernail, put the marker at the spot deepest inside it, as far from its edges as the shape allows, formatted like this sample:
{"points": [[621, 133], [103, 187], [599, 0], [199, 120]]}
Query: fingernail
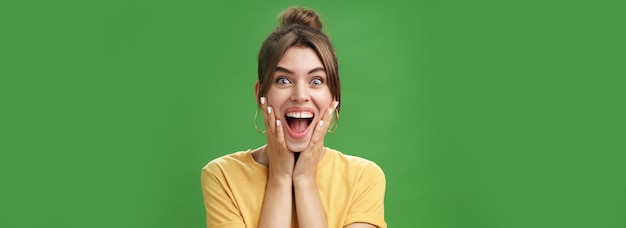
{"points": [[262, 100], [336, 103], [269, 110], [321, 123], [330, 112], [277, 123]]}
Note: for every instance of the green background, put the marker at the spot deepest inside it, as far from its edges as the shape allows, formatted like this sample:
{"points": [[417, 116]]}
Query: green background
{"points": [[481, 113]]}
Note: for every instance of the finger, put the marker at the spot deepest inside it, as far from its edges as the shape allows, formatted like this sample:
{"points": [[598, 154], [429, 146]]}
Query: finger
{"points": [[324, 123], [263, 107], [328, 116], [266, 116], [277, 129], [271, 121], [280, 136]]}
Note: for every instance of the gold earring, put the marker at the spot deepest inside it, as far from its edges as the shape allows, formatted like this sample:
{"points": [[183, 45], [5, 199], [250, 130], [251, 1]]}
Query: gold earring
{"points": [[256, 114], [334, 124]]}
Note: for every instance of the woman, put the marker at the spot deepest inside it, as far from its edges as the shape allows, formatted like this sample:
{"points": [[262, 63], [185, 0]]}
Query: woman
{"points": [[293, 180]]}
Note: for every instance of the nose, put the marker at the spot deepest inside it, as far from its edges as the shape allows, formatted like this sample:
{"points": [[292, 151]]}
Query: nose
{"points": [[300, 93]]}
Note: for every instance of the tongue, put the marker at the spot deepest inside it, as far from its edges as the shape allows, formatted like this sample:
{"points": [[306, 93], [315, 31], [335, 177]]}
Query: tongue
{"points": [[298, 125]]}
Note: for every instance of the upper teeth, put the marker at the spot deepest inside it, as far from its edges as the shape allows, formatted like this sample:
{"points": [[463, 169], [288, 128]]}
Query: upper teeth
{"points": [[299, 114]]}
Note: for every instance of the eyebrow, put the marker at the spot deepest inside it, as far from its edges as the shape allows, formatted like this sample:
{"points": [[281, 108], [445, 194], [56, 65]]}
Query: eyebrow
{"points": [[281, 69]]}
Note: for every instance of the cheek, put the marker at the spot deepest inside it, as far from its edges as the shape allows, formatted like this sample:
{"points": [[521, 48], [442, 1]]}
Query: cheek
{"points": [[324, 99], [276, 98]]}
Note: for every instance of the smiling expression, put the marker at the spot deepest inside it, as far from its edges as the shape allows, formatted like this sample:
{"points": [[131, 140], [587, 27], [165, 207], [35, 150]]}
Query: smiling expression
{"points": [[299, 93]]}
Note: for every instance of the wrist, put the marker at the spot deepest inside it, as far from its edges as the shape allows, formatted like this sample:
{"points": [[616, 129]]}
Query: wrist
{"points": [[305, 182], [279, 179]]}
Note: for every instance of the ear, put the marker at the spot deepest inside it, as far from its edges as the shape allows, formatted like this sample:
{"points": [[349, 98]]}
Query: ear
{"points": [[256, 92]]}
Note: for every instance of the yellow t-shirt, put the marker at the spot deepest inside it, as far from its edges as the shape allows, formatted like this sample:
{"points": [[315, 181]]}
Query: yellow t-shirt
{"points": [[352, 190]]}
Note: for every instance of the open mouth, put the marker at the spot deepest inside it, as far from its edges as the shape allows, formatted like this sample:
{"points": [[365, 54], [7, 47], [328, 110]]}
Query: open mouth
{"points": [[298, 122]]}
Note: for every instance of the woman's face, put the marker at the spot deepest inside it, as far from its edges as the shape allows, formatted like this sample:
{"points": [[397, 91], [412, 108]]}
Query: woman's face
{"points": [[299, 94]]}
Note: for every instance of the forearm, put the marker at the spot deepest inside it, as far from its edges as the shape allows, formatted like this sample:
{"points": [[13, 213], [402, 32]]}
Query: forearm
{"points": [[277, 204], [309, 206]]}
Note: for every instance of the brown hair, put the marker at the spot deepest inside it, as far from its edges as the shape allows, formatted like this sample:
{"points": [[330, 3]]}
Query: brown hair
{"points": [[298, 27]]}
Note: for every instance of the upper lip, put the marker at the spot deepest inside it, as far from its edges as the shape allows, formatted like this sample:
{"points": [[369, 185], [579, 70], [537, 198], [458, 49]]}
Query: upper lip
{"points": [[299, 109]]}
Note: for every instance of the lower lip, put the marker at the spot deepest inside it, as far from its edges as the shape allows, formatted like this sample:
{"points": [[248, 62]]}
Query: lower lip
{"points": [[296, 135]]}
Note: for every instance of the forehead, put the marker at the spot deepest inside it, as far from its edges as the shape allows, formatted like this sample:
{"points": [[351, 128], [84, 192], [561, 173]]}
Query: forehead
{"points": [[300, 60]]}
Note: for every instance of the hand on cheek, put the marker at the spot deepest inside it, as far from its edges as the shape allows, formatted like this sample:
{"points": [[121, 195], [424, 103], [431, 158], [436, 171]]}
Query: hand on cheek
{"points": [[281, 160], [306, 166]]}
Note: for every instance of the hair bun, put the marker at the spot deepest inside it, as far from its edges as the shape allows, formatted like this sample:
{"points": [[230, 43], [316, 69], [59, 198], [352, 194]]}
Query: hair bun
{"points": [[300, 16]]}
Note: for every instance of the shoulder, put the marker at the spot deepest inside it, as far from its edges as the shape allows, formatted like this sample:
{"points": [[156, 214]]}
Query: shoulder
{"points": [[361, 166], [365, 182], [227, 162]]}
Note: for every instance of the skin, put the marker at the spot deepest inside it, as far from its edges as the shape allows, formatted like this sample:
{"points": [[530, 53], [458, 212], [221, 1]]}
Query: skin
{"points": [[300, 82]]}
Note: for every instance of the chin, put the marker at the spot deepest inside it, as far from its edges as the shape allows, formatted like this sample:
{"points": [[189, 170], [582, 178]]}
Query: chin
{"points": [[297, 147]]}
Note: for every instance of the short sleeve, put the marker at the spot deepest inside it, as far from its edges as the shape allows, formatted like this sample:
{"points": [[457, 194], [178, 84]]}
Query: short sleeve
{"points": [[221, 211], [368, 202]]}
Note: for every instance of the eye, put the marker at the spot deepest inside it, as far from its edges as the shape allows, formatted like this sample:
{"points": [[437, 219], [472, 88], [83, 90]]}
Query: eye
{"points": [[317, 81], [282, 81]]}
